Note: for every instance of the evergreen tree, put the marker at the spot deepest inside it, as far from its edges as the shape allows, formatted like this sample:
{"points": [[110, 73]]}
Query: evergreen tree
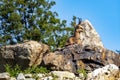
{"points": [[31, 20]]}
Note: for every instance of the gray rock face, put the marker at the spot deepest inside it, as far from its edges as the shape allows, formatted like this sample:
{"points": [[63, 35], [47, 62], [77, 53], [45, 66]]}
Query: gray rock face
{"points": [[29, 53], [112, 58], [4, 76], [57, 61], [89, 36], [108, 72], [73, 57], [63, 74], [21, 76]]}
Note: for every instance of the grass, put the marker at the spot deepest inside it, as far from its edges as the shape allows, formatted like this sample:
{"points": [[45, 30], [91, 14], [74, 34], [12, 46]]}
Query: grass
{"points": [[14, 71]]}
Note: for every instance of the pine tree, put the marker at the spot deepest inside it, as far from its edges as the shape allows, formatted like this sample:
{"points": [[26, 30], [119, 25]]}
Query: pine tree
{"points": [[31, 20]]}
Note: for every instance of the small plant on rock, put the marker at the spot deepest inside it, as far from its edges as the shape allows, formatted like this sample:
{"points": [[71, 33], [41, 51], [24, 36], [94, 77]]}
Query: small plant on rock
{"points": [[36, 70], [82, 71], [55, 77], [13, 71]]}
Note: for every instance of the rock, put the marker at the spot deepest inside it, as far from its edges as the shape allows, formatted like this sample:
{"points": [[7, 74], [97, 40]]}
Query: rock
{"points": [[89, 55], [58, 62], [63, 74], [108, 72], [30, 79], [12, 78], [4, 76], [75, 57], [40, 75], [112, 58], [78, 78], [47, 78], [29, 53], [28, 75], [90, 36], [20, 76]]}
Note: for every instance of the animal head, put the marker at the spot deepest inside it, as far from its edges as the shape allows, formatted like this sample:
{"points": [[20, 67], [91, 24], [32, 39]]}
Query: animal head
{"points": [[80, 20], [79, 28]]}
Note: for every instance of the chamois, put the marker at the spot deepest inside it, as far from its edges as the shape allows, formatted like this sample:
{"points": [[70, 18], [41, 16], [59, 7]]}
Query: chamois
{"points": [[75, 39]]}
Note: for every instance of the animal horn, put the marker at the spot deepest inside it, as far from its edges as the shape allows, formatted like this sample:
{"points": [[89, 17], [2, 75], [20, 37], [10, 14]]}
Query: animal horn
{"points": [[80, 20]]}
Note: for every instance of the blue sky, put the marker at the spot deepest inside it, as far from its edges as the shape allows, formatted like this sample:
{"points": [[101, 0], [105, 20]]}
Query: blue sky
{"points": [[103, 14]]}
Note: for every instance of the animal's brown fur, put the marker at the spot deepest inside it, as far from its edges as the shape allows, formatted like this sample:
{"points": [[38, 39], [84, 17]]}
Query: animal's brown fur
{"points": [[80, 64], [75, 39]]}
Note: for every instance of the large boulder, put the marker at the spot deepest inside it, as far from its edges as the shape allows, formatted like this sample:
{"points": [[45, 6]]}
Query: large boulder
{"points": [[108, 72], [28, 53], [58, 61], [64, 74], [4, 76]]}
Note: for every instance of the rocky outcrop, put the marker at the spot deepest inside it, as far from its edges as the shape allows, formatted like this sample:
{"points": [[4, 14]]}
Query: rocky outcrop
{"points": [[74, 57], [89, 55], [29, 53], [57, 61], [108, 72], [89, 36], [112, 58]]}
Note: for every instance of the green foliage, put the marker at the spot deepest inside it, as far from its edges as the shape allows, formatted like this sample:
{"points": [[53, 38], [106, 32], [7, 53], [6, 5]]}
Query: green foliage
{"points": [[31, 20], [36, 70], [83, 71], [14, 71]]}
